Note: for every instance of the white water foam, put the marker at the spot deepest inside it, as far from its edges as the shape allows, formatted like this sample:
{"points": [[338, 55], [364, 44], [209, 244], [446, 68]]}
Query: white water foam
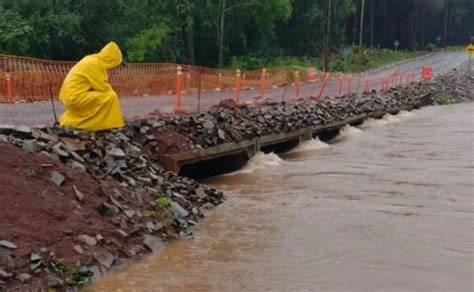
{"points": [[310, 145], [405, 114], [347, 131], [373, 123], [390, 119], [261, 160]]}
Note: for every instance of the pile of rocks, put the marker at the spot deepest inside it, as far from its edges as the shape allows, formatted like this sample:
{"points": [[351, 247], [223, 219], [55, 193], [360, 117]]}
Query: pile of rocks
{"points": [[223, 124], [148, 206], [122, 154], [231, 123], [453, 87]]}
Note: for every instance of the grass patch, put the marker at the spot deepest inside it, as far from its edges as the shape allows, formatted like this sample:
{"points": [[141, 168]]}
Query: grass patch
{"points": [[164, 225], [371, 58], [166, 204], [150, 213], [445, 98]]}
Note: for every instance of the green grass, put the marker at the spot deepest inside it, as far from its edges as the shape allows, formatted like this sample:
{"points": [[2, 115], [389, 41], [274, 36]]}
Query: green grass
{"points": [[371, 58], [165, 204], [374, 59], [445, 98], [250, 62], [455, 48]]}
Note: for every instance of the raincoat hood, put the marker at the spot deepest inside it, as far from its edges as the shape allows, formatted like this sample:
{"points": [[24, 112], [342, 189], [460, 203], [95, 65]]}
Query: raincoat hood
{"points": [[110, 55]]}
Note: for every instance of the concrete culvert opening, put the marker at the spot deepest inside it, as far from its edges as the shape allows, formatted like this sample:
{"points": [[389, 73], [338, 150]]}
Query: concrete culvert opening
{"points": [[328, 135], [214, 167], [280, 147]]}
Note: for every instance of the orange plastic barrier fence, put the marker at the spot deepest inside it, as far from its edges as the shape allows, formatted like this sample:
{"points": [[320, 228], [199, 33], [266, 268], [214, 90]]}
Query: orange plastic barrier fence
{"points": [[427, 73], [340, 84], [297, 84], [27, 79], [237, 86]]}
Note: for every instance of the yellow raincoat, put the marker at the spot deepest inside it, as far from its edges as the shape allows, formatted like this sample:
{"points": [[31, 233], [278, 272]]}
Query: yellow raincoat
{"points": [[89, 100]]}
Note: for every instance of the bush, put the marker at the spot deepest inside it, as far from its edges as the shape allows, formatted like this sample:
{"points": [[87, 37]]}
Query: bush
{"points": [[252, 62], [430, 47], [445, 98]]}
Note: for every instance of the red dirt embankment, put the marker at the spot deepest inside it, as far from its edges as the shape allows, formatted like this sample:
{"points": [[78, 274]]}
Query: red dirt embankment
{"points": [[46, 220]]}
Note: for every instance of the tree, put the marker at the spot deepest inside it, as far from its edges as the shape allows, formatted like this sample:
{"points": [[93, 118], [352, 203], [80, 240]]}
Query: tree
{"points": [[213, 32], [264, 13], [14, 33]]}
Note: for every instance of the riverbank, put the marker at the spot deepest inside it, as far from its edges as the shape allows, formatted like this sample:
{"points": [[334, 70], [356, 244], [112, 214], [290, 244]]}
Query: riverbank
{"points": [[102, 199]]}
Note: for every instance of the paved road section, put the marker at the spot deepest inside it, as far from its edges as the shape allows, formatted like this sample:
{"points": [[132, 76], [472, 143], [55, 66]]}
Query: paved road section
{"points": [[40, 113]]}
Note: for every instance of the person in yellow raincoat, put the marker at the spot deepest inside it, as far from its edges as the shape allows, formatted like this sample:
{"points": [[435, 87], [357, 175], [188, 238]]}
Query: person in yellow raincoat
{"points": [[89, 100]]}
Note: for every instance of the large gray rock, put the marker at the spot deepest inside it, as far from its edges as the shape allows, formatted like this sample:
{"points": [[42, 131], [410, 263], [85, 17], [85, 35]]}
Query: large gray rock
{"points": [[91, 241], [35, 258], [31, 146], [57, 178], [24, 277], [104, 258], [154, 243], [53, 281], [5, 275], [116, 152], [7, 244], [78, 193], [181, 212]]}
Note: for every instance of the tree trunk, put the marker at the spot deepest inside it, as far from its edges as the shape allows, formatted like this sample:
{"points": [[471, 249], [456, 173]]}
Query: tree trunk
{"points": [[189, 34], [413, 27], [190, 46], [328, 35], [372, 22], [445, 39], [220, 34], [354, 27]]}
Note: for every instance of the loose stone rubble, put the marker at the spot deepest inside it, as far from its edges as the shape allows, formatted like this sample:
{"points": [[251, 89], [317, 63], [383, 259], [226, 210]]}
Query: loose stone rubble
{"points": [[454, 87], [229, 122], [128, 157], [224, 125], [149, 207]]}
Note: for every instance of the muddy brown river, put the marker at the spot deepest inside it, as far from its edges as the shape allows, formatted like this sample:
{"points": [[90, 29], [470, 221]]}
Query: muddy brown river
{"points": [[388, 208]]}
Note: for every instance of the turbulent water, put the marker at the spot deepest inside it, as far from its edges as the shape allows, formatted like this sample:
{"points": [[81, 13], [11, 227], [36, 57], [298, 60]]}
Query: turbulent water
{"points": [[386, 209]]}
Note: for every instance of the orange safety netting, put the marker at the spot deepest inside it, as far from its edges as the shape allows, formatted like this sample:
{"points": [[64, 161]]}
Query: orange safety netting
{"points": [[27, 79]]}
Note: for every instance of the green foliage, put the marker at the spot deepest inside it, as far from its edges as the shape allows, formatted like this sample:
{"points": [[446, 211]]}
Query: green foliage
{"points": [[166, 204], [371, 58], [254, 33], [445, 98], [146, 43], [57, 267], [71, 274], [150, 213], [14, 33], [430, 47], [163, 225], [75, 277], [251, 62]]}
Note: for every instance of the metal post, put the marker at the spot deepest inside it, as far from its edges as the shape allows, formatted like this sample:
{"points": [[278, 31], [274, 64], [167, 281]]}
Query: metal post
{"points": [[263, 83], [179, 86], [199, 88], [237, 87], [9, 88], [297, 83], [341, 84], [323, 86]]}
